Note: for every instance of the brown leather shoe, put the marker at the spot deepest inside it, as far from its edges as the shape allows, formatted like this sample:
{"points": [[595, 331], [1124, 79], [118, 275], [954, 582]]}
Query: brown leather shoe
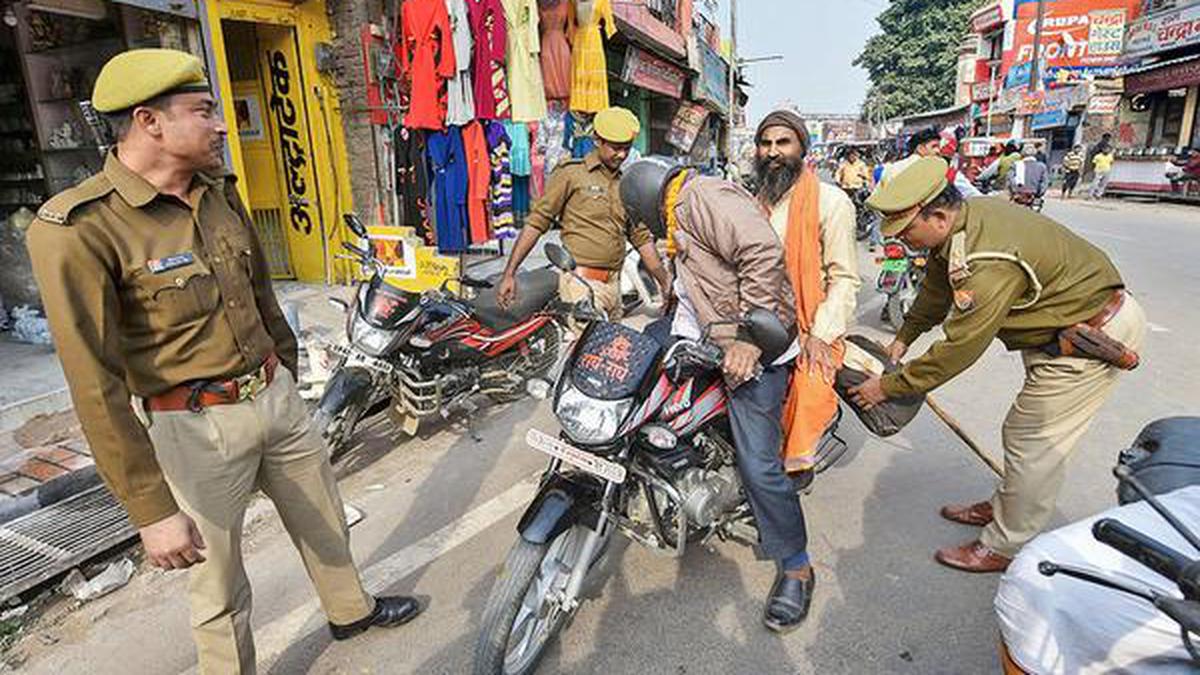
{"points": [[978, 514], [973, 557]]}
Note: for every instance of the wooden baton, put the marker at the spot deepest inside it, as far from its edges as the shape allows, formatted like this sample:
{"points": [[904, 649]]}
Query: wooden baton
{"points": [[966, 438]]}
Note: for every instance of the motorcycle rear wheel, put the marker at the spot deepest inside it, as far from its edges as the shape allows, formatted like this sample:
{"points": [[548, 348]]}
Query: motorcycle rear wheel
{"points": [[522, 617], [898, 306]]}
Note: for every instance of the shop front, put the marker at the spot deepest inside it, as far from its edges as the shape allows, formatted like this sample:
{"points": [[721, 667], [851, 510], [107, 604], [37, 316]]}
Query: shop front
{"points": [[1157, 118]]}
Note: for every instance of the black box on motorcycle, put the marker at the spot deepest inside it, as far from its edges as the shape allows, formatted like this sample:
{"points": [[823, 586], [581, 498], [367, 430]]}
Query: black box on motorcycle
{"points": [[865, 358], [1165, 456]]}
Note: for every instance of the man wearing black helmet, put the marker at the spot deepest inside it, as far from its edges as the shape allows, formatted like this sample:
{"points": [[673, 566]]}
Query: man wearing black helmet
{"points": [[728, 260]]}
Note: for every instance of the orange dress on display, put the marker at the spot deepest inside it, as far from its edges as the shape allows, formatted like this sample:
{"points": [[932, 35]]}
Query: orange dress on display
{"points": [[558, 31], [427, 59]]}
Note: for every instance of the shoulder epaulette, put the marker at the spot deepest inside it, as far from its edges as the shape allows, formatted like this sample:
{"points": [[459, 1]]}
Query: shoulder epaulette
{"points": [[57, 209]]}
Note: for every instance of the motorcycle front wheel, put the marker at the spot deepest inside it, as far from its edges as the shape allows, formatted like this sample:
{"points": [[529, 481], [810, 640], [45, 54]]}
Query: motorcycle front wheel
{"points": [[523, 615], [337, 428]]}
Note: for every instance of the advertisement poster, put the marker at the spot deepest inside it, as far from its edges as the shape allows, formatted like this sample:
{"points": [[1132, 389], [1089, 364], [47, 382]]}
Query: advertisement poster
{"points": [[1080, 38], [689, 119], [1163, 32], [647, 71]]}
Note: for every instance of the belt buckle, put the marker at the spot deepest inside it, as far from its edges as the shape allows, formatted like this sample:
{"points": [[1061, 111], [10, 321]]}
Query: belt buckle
{"points": [[251, 386]]}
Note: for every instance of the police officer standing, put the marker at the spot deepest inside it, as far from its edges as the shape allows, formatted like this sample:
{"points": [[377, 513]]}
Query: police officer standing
{"points": [[156, 289], [999, 270], [583, 196]]}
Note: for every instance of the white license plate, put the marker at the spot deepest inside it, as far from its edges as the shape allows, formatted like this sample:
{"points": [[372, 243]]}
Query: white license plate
{"points": [[597, 466]]}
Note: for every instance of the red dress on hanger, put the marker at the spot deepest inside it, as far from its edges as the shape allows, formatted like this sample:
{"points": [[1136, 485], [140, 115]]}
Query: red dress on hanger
{"points": [[491, 48], [427, 58]]}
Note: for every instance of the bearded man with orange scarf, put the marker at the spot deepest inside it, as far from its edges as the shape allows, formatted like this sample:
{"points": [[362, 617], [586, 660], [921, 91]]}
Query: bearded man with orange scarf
{"points": [[815, 222]]}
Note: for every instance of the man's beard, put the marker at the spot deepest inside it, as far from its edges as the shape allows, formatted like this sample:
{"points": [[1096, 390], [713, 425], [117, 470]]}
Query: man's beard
{"points": [[776, 177]]}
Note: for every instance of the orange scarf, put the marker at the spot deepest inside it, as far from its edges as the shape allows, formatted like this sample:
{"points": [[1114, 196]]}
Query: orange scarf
{"points": [[811, 402]]}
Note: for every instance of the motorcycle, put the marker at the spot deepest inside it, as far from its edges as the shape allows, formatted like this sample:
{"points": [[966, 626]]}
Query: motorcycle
{"points": [[638, 287], [430, 353], [645, 451], [867, 218], [902, 271], [1029, 199]]}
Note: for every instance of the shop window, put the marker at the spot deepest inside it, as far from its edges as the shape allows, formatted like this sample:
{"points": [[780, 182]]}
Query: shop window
{"points": [[1167, 118]]}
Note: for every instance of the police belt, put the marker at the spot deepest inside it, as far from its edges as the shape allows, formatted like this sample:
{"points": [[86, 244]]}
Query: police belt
{"points": [[199, 394], [1088, 339]]}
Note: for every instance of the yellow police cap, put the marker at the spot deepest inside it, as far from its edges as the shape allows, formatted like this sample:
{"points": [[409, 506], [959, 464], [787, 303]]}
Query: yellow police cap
{"points": [[617, 125], [138, 75], [902, 197]]}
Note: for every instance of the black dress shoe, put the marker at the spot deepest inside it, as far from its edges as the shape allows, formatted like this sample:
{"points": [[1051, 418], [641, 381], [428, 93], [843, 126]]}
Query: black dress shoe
{"points": [[391, 611], [788, 603]]}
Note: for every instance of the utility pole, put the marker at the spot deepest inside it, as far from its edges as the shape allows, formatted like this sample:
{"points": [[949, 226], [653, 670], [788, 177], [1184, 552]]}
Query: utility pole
{"points": [[733, 65], [1035, 65]]}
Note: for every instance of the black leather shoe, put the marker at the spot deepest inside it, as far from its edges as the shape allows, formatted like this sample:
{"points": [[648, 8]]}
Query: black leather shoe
{"points": [[788, 603], [391, 611]]}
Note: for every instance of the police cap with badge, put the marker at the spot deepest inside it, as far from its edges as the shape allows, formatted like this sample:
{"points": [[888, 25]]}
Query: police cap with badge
{"points": [[903, 197]]}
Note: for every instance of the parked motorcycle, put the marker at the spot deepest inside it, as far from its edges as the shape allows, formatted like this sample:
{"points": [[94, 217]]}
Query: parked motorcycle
{"points": [[645, 450], [1029, 199], [867, 218], [902, 271], [424, 354]]}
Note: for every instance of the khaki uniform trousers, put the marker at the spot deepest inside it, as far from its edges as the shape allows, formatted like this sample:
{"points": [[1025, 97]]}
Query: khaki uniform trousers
{"points": [[608, 294], [213, 461], [1052, 411]]}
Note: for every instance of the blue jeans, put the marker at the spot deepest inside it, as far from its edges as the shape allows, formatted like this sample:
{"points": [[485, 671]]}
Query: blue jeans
{"points": [[755, 411]]}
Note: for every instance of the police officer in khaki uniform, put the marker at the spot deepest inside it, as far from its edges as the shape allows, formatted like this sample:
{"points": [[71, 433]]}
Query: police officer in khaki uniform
{"points": [[157, 290], [999, 270], [583, 196]]}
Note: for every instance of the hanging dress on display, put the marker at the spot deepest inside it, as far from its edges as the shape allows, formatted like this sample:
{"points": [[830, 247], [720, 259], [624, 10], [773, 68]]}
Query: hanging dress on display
{"points": [[589, 72], [449, 176], [412, 181], [427, 60], [537, 158], [501, 184], [579, 134], [551, 138], [491, 48], [525, 90], [460, 94], [479, 176], [558, 28]]}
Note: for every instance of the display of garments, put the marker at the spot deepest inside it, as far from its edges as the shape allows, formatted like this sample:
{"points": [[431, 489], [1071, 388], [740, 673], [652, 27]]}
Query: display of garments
{"points": [[479, 178], [525, 91], [501, 184], [460, 95], [448, 173], [520, 196], [578, 134], [491, 48], [412, 181], [427, 60], [589, 66], [519, 152], [558, 30], [551, 138], [537, 160]]}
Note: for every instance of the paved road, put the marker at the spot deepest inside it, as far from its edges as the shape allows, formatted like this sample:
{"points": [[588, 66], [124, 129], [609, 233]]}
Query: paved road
{"points": [[440, 516]]}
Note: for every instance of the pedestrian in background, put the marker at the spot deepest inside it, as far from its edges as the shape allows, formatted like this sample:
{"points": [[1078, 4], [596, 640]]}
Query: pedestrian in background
{"points": [[1072, 165], [156, 287], [1102, 165]]}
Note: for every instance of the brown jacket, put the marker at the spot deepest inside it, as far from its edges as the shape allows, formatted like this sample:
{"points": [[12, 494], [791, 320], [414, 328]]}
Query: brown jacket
{"points": [[728, 256]]}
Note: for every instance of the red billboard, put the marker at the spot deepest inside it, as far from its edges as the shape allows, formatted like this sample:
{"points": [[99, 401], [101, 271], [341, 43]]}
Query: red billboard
{"points": [[1079, 37]]}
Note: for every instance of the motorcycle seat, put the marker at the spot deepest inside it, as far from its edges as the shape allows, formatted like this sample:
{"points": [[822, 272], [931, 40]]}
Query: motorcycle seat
{"points": [[535, 289]]}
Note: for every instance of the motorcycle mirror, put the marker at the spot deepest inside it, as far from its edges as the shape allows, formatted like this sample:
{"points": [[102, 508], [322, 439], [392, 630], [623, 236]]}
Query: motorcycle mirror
{"points": [[355, 225], [559, 257], [769, 333]]}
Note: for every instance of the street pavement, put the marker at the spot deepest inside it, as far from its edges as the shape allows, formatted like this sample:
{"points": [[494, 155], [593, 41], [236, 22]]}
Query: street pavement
{"points": [[440, 515]]}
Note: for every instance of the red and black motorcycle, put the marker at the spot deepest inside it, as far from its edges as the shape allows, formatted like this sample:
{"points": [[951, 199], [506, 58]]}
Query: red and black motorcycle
{"points": [[431, 353]]}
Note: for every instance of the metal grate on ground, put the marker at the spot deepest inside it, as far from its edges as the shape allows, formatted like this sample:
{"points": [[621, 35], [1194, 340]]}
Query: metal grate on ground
{"points": [[52, 540]]}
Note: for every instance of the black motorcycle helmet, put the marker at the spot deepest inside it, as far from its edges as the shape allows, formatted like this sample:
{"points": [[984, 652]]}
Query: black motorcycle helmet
{"points": [[643, 190]]}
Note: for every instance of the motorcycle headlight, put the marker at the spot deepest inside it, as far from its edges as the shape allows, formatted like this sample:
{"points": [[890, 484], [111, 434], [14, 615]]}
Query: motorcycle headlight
{"points": [[373, 341], [590, 421]]}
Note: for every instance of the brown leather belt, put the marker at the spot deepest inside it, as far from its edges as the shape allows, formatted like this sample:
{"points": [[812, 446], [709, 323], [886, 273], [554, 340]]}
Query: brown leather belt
{"points": [[195, 396], [595, 273], [1109, 310]]}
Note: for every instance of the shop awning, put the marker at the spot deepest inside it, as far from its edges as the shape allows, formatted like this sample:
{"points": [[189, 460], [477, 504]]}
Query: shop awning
{"points": [[1170, 74]]}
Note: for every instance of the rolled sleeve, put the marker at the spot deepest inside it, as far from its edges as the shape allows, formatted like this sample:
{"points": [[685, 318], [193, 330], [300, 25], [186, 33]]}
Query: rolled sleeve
{"points": [[83, 310], [995, 287], [839, 258]]}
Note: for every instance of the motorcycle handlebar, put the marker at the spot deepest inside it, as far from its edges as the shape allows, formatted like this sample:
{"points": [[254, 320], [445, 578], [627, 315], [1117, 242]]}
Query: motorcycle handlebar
{"points": [[1155, 555]]}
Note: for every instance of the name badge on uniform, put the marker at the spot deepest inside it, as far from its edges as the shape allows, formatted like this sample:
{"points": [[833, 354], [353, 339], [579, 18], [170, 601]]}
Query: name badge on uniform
{"points": [[596, 190], [171, 262]]}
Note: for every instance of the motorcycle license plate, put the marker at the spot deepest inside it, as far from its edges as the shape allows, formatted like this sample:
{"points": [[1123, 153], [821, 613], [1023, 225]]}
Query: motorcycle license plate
{"points": [[895, 265], [585, 461]]}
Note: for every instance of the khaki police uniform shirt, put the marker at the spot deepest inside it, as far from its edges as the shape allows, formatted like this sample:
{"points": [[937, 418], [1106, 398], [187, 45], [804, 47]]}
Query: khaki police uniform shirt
{"points": [[585, 197], [144, 292], [1005, 272]]}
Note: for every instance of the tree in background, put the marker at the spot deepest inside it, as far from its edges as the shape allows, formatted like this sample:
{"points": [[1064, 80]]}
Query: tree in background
{"points": [[912, 62]]}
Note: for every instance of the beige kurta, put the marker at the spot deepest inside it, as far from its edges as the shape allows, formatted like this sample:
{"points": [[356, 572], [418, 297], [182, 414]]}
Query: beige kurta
{"points": [[839, 259]]}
